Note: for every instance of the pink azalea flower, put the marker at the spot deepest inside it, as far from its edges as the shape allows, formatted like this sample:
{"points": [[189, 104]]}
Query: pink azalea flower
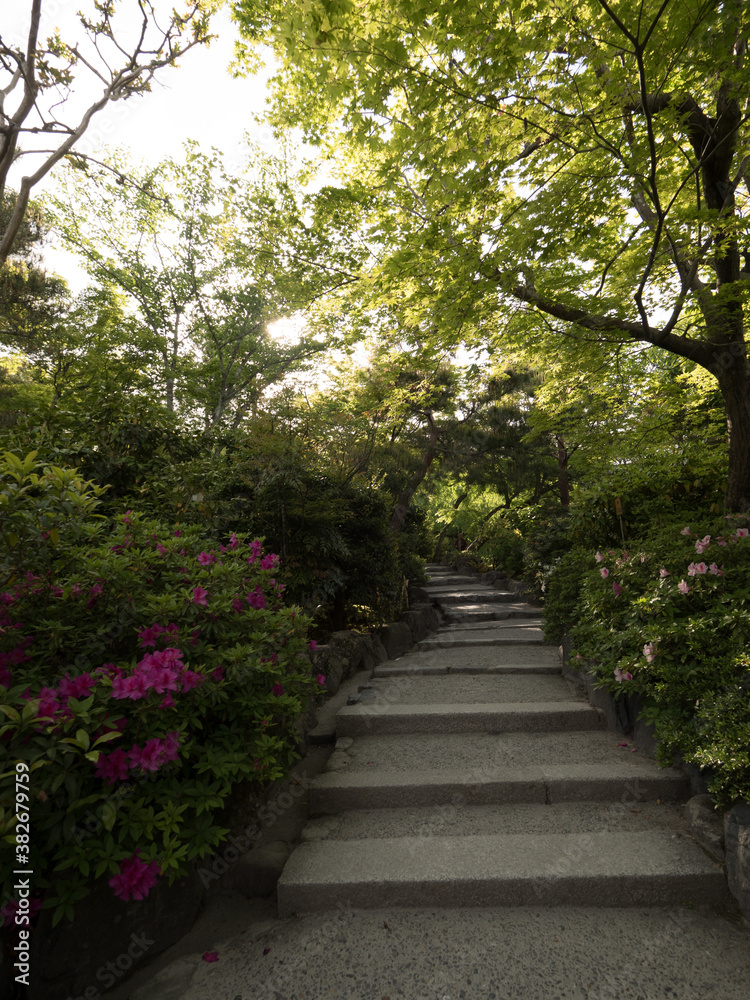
{"points": [[167, 701], [721, 541], [599, 557], [218, 673], [161, 549], [697, 569], [312, 645], [648, 652], [154, 753], [112, 766], [257, 599], [178, 534], [135, 879], [206, 558], [238, 605], [683, 587], [271, 561], [714, 569], [161, 679], [233, 541], [134, 686], [604, 572], [663, 573], [191, 679], [685, 530], [49, 706], [200, 597], [617, 588], [147, 636], [321, 679], [277, 690], [622, 675], [742, 532], [76, 687], [210, 956], [256, 547]]}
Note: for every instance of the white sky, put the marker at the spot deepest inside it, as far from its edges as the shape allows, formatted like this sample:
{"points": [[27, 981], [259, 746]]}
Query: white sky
{"points": [[197, 100]]}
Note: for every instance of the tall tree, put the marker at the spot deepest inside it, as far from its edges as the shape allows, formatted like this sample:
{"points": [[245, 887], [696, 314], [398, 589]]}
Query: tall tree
{"points": [[583, 164], [208, 260], [121, 46]]}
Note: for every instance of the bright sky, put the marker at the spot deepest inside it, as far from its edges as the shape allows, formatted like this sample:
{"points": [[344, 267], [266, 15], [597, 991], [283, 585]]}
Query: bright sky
{"points": [[198, 100]]}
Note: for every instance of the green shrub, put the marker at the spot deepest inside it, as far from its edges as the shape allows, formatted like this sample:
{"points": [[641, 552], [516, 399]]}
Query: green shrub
{"points": [[141, 676], [669, 618], [563, 593]]}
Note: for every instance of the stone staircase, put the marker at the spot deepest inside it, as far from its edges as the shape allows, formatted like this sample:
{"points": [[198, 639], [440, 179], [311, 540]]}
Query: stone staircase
{"points": [[470, 773]]}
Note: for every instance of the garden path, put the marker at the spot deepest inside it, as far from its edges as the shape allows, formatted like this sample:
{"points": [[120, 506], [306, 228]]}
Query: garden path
{"points": [[477, 833]]}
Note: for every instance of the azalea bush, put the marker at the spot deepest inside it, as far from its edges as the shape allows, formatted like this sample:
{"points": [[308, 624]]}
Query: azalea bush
{"points": [[669, 618], [143, 673]]}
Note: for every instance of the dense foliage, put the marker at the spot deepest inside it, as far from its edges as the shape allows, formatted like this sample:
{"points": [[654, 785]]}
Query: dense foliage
{"points": [[669, 618], [144, 670]]}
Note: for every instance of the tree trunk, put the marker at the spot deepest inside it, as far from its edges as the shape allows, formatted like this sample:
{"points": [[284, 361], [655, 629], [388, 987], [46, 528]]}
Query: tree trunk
{"points": [[439, 547], [402, 504], [562, 471], [734, 382]]}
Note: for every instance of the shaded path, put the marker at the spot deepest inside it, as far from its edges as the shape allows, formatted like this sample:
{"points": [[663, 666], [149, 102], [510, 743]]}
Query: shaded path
{"points": [[478, 834]]}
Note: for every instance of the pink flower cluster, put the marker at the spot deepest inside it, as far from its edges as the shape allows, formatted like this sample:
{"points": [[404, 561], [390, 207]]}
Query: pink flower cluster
{"points": [[135, 879], [53, 701], [161, 671], [699, 569], [148, 636], [154, 754]]}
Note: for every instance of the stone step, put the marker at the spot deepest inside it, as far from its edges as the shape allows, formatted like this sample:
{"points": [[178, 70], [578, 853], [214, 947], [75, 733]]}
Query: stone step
{"points": [[478, 753], [505, 658], [477, 613], [462, 595], [454, 689], [647, 868], [500, 634], [452, 579], [396, 669], [455, 817], [377, 788], [372, 719]]}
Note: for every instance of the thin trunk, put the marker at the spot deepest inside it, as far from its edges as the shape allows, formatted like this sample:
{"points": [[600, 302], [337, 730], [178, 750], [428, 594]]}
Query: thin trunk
{"points": [[172, 361], [562, 471], [402, 504], [439, 547]]}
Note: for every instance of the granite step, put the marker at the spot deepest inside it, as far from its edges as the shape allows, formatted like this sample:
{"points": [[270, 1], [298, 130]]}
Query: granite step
{"points": [[461, 688], [509, 657], [613, 782], [646, 868], [500, 634], [374, 718], [443, 595], [456, 817], [473, 613]]}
